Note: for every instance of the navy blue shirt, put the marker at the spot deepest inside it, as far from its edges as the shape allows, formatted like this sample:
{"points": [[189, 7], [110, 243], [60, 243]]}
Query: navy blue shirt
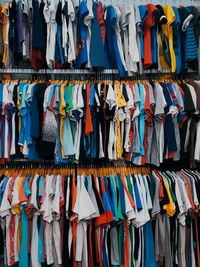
{"points": [[83, 56]]}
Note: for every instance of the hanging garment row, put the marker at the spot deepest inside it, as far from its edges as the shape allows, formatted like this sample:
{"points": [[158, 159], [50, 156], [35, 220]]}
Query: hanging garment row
{"points": [[87, 34], [74, 121], [108, 217]]}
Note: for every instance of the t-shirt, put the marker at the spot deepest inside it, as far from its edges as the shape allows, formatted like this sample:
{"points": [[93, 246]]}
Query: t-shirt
{"points": [[83, 53], [167, 30], [143, 14], [148, 25], [96, 44], [177, 40]]}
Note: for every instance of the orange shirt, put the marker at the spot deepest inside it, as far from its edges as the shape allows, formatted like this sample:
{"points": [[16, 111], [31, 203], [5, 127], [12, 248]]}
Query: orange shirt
{"points": [[149, 23], [88, 119]]}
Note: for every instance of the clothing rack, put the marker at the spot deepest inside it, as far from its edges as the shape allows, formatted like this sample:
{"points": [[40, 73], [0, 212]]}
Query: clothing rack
{"points": [[93, 209]]}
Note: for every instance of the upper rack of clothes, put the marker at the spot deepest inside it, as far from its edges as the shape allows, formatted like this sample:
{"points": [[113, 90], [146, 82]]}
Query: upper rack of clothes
{"points": [[142, 121], [100, 217], [89, 34]]}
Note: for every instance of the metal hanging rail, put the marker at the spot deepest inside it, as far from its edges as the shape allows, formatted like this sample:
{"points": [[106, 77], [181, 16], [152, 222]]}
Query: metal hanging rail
{"points": [[80, 71], [55, 71]]}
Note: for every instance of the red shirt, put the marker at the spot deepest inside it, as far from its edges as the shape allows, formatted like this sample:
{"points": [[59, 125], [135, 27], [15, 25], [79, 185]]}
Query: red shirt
{"points": [[149, 23]]}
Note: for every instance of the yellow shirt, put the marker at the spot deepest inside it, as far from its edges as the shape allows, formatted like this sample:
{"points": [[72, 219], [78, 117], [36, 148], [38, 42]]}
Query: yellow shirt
{"points": [[5, 29], [121, 102], [168, 32], [62, 112], [162, 59], [170, 207]]}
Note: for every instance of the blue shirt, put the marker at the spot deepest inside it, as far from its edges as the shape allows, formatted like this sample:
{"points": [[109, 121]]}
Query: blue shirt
{"points": [[23, 112], [108, 195], [59, 43], [137, 194], [111, 42], [176, 26], [191, 50], [154, 50], [149, 251], [96, 44], [114, 198], [26, 186], [1, 96], [141, 117], [23, 256], [83, 57], [3, 187], [143, 14]]}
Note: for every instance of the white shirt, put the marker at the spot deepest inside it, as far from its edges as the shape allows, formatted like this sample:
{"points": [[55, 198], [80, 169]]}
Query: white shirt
{"points": [[15, 199], [130, 212], [134, 57], [67, 199], [118, 34], [184, 194], [46, 98], [142, 216], [56, 200], [50, 18], [71, 42], [47, 204], [64, 31], [111, 97], [34, 192], [83, 205], [88, 22]]}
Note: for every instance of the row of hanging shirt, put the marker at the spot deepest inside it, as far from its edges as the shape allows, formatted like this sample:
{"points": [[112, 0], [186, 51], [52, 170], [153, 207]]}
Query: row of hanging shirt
{"points": [[139, 121], [91, 35], [94, 220]]}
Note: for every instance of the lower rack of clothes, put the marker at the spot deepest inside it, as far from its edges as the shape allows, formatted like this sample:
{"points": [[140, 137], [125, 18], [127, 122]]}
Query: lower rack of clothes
{"points": [[100, 217]]}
